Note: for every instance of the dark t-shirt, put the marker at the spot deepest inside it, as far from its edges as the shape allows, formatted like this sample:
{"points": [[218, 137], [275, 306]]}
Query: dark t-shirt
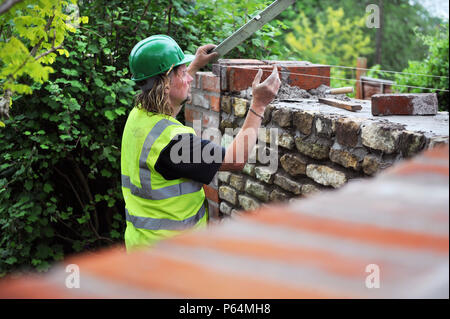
{"points": [[191, 157]]}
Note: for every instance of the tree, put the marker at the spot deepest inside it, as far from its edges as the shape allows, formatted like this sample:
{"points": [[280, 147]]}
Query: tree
{"points": [[331, 39], [31, 35], [400, 18]]}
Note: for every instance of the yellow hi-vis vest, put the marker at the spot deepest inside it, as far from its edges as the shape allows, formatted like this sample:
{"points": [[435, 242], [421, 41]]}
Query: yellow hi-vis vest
{"points": [[155, 208]]}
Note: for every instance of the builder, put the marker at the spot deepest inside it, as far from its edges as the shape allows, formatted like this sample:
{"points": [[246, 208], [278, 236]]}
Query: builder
{"points": [[162, 196]]}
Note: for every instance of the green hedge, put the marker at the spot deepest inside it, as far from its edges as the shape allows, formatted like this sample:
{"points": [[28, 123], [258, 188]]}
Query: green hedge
{"points": [[60, 161]]}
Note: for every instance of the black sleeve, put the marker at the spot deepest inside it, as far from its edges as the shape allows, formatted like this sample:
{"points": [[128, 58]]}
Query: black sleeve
{"points": [[191, 157]]}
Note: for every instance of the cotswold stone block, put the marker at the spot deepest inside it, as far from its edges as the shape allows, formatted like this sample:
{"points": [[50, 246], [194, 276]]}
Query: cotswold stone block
{"points": [[324, 126], [264, 135], [200, 100], [303, 121], [380, 137], [288, 184], [257, 189], [223, 176], [240, 107], [226, 123], [227, 193], [225, 208], [282, 117], [225, 104], [308, 189], [268, 114], [249, 169], [344, 158], [285, 140], [248, 203], [278, 196], [264, 174], [237, 181], [370, 164], [294, 164], [411, 143], [318, 149], [347, 132], [266, 154], [325, 175]]}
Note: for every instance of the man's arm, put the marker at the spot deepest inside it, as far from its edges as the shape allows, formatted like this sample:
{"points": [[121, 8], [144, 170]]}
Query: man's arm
{"points": [[263, 93]]}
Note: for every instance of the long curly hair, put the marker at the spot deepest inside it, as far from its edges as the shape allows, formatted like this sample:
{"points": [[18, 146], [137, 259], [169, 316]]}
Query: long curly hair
{"points": [[155, 100]]}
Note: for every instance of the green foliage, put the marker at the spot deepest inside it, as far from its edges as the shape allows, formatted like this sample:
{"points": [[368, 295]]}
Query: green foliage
{"points": [[31, 35], [375, 72], [435, 63], [330, 39], [60, 163], [214, 21]]}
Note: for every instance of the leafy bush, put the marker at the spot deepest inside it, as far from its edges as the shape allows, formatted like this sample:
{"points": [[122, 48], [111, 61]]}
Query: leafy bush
{"points": [[60, 162], [436, 63]]}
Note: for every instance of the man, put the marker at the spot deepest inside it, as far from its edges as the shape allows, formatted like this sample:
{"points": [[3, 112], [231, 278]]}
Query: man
{"points": [[162, 196]]}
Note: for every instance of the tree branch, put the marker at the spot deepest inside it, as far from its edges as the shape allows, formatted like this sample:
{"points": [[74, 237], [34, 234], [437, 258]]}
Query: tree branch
{"points": [[87, 190], [142, 16], [46, 28], [48, 52], [169, 14], [4, 104], [5, 6], [71, 186]]}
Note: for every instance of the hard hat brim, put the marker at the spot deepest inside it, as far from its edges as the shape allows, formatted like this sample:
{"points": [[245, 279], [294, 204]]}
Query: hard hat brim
{"points": [[188, 58]]}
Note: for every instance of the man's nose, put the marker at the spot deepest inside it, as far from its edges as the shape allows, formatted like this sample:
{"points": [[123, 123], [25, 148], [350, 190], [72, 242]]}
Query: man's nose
{"points": [[190, 78]]}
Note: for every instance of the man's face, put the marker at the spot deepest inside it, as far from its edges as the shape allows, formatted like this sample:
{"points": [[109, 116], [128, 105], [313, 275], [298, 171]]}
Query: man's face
{"points": [[180, 87]]}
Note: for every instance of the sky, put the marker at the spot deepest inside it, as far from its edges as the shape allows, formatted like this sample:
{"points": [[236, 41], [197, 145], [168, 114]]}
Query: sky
{"points": [[436, 7]]}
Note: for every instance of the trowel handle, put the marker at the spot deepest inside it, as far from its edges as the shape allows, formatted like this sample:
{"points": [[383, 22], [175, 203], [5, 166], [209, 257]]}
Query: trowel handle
{"points": [[347, 89]]}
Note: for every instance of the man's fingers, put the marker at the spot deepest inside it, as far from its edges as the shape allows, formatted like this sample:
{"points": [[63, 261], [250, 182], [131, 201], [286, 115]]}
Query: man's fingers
{"points": [[273, 76], [207, 48], [257, 77]]}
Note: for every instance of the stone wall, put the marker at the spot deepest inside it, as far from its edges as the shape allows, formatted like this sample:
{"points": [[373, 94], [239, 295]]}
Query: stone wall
{"points": [[315, 147]]}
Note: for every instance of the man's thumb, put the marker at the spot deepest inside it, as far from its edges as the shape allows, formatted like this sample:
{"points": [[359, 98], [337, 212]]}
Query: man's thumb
{"points": [[258, 77]]}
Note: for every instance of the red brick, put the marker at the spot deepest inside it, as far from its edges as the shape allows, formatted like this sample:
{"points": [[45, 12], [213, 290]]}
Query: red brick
{"points": [[213, 211], [241, 77], [191, 115], [210, 82], [211, 193], [405, 104], [214, 103], [309, 77], [305, 77], [198, 80]]}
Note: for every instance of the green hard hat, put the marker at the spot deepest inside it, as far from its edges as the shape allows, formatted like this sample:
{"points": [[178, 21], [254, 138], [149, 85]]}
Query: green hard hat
{"points": [[155, 55]]}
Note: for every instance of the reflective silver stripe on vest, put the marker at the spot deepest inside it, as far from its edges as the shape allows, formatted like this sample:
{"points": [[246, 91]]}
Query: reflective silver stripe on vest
{"points": [[146, 191], [164, 223]]}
